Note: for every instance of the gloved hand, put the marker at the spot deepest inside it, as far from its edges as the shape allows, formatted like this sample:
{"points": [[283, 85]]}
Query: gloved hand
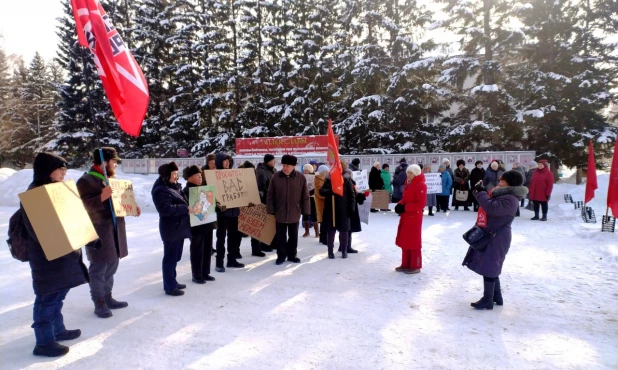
{"points": [[220, 207], [251, 204], [360, 198], [548, 197], [479, 187], [400, 208]]}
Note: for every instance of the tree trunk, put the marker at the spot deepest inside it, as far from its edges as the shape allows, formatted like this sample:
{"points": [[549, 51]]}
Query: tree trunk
{"points": [[579, 176]]}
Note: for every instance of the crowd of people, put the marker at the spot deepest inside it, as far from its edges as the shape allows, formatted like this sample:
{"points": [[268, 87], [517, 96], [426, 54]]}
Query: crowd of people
{"points": [[494, 192]]}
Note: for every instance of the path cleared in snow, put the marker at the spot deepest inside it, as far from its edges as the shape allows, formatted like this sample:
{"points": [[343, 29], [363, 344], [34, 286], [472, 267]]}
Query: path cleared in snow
{"points": [[559, 283]]}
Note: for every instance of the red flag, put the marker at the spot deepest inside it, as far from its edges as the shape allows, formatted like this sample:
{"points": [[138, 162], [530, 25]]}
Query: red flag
{"points": [[123, 80], [612, 190], [336, 172], [591, 181]]}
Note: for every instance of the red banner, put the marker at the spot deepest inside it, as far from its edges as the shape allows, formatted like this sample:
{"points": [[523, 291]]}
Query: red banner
{"points": [[612, 190], [591, 179], [336, 171], [283, 145]]}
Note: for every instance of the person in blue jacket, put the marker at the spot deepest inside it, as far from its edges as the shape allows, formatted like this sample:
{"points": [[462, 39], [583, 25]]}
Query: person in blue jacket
{"points": [[174, 225], [447, 183]]}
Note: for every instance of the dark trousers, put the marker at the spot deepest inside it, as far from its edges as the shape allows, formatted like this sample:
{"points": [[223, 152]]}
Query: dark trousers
{"points": [[344, 239], [287, 240], [201, 247], [442, 202], [102, 278], [172, 253], [323, 235], [542, 205], [256, 246], [47, 316], [227, 226]]}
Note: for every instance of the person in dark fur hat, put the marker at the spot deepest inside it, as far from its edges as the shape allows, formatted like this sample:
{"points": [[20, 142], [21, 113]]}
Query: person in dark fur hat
{"points": [[210, 163], [496, 214], [51, 280], [461, 177], [174, 225]]}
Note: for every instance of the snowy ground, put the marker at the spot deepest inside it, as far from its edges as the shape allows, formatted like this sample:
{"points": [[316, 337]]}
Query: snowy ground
{"points": [[560, 284]]}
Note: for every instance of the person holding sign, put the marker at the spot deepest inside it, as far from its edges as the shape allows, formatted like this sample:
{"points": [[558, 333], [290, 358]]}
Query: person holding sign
{"points": [[104, 259], [201, 236], [174, 224], [265, 172], [287, 200], [411, 222], [51, 280], [432, 201]]}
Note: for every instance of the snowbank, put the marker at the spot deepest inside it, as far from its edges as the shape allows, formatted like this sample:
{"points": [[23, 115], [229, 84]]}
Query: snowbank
{"points": [[6, 172]]}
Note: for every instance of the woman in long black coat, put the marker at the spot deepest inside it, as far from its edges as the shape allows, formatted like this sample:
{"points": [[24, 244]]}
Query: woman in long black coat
{"points": [[476, 175], [500, 206], [461, 181]]}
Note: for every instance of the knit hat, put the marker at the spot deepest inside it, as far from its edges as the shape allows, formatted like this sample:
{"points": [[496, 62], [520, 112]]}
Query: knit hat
{"points": [[403, 160], [532, 164], [44, 164], [356, 161], [308, 168], [461, 161], [444, 160], [492, 165], [513, 178], [414, 169], [190, 171], [313, 162], [544, 161], [289, 160], [165, 170], [323, 168], [268, 158], [109, 153]]}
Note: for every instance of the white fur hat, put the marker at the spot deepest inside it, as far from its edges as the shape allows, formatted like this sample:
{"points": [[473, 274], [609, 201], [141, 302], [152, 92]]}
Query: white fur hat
{"points": [[308, 167], [376, 163], [444, 160], [414, 169]]}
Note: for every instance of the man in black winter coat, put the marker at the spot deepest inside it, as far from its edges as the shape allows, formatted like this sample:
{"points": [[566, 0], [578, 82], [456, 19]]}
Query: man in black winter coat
{"points": [[53, 279], [265, 172], [355, 165]]}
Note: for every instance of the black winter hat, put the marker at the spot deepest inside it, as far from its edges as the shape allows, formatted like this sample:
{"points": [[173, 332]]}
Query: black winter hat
{"points": [[247, 164], [109, 153], [461, 161], [44, 164], [513, 178], [190, 171], [356, 161], [403, 160], [289, 160], [477, 163], [165, 170], [268, 158]]}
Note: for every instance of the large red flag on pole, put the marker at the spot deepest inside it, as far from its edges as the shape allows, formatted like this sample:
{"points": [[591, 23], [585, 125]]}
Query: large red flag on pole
{"points": [[123, 80], [591, 180], [336, 171], [612, 190]]}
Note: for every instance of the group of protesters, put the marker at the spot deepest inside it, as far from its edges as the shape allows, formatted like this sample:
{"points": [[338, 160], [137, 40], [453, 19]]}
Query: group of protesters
{"points": [[326, 209]]}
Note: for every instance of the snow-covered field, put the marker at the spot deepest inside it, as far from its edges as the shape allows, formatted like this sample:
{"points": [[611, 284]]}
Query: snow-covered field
{"points": [[560, 286]]}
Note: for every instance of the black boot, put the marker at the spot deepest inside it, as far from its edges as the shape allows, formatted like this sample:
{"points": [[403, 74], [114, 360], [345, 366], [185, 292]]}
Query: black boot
{"points": [[175, 292], [487, 302], [258, 254], [69, 335], [544, 218], [498, 293], [101, 309], [466, 208], [535, 218], [352, 250], [52, 349], [114, 304], [232, 263], [344, 253], [331, 254]]}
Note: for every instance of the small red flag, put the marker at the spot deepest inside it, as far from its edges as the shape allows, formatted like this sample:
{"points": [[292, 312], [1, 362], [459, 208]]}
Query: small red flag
{"points": [[336, 172], [612, 190], [123, 80], [591, 181]]}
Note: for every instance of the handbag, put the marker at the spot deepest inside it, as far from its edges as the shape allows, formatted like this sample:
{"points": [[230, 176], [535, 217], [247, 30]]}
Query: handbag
{"points": [[461, 195], [478, 238]]}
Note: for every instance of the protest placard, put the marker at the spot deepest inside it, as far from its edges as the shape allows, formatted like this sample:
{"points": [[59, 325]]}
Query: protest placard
{"points": [[234, 188], [380, 199], [433, 182], [365, 209], [123, 198], [202, 205], [310, 181], [257, 223], [58, 218], [361, 179]]}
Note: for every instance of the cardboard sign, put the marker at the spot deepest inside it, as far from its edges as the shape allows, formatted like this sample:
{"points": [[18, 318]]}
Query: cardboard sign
{"points": [[202, 203], [123, 198], [310, 181], [433, 182], [361, 179], [257, 223], [58, 218], [365, 209], [234, 188], [380, 199]]}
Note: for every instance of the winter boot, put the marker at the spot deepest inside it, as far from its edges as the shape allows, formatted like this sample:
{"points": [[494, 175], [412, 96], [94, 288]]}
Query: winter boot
{"points": [[498, 293], [487, 302], [466, 208], [52, 349], [456, 208], [331, 255], [535, 218], [232, 263], [430, 211], [114, 304], [101, 309], [306, 226], [181, 286], [344, 253], [352, 250], [544, 218], [175, 292], [316, 227], [258, 254], [238, 256], [68, 335]]}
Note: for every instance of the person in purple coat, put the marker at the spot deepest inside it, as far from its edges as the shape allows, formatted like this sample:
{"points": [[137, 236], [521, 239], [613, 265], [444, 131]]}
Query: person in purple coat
{"points": [[500, 206]]}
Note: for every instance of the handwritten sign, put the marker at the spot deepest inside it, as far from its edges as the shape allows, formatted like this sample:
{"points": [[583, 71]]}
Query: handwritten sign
{"points": [[433, 182], [361, 179], [234, 188], [123, 198], [310, 181], [257, 223], [365, 209], [202, 204], [380, 199]]}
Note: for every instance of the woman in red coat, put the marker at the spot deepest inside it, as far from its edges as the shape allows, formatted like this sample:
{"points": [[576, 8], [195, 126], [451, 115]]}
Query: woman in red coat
{"points": [[411, 222], [541, 186]]}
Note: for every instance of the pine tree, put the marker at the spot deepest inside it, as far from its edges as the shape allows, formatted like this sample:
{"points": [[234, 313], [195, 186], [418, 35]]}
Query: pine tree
{"points": [[14, 130]]}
